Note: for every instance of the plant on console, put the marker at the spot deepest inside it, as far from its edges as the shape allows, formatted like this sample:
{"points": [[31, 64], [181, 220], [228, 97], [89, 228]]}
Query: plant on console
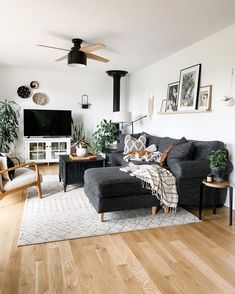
{"points": [[9, 124]]}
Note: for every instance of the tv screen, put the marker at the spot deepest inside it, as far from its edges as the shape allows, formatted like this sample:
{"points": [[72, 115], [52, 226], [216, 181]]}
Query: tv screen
{"points": [[47, 123]]}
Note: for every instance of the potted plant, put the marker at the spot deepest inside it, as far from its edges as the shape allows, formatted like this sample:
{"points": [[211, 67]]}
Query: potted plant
{"points": [[218, 161], [82, 147], [9, 124], [106, 134]]}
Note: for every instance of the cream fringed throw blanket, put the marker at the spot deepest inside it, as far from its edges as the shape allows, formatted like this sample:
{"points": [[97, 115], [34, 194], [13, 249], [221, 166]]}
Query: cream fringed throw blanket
{"points": [[161, 182]]}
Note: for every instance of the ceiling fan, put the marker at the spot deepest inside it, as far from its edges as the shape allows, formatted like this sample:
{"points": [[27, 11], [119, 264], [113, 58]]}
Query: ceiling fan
{"points": [[77, 55]]}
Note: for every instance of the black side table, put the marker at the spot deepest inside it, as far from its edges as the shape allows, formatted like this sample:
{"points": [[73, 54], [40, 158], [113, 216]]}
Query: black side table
{"points": [[72, 171], [215, 185]]}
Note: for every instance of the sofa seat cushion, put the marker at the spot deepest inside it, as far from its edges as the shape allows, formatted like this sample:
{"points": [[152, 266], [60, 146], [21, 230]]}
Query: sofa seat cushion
{"points": [[23, 176], [110, 182]]}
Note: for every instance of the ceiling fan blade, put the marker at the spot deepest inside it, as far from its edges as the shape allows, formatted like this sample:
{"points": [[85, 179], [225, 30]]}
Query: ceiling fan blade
{"points": [[62, 58], [96, 57], [51, 47], [92, 48]]}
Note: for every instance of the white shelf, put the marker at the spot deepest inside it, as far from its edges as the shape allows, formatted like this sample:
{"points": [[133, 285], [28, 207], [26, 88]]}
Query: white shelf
{"points": [[184, 112]]}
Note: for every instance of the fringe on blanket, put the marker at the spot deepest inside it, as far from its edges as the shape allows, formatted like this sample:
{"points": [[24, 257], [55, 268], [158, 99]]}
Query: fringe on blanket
{"points": [[148, 186]]}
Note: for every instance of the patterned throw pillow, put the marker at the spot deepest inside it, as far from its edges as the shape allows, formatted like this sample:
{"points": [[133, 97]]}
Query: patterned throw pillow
{"points": [[132, 143]]}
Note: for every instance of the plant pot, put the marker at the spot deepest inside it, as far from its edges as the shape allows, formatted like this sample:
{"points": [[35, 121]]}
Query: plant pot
{"points": [[218, 173], [81, 151]]}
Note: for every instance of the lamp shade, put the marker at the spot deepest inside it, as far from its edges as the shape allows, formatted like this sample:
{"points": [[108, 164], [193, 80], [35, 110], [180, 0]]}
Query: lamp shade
{"points": [[122, 116]]}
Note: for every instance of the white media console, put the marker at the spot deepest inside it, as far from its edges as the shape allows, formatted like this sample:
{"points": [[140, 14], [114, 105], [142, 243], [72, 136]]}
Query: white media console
{"points": [[46, 149]]}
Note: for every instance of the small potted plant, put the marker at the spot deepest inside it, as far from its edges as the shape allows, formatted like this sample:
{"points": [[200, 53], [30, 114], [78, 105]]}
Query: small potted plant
{"points": [[82, 147], [218, 161], [9, 124]]}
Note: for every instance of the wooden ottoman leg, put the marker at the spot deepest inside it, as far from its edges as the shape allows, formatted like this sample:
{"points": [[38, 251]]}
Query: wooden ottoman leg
{"points": [[154, 210], [101, 217]]}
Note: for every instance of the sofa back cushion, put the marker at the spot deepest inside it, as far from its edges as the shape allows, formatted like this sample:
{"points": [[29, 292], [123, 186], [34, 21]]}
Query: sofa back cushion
{"points": [[166, 141], [179, 152], [150, 140], [204, 148]]}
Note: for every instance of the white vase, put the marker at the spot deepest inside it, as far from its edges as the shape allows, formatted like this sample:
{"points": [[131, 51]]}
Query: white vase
{"points": [[81, 151]]}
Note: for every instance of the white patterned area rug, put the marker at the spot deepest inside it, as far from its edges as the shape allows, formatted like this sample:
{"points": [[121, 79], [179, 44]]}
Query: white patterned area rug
{"points": [[62, 216]]}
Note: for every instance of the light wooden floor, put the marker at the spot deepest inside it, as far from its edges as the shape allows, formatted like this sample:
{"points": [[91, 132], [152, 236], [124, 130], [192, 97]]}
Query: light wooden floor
{"points": [[194, 258]]}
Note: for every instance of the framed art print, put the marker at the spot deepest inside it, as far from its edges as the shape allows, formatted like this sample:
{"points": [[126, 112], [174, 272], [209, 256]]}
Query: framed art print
{"points": [[204, 101], [189, 87], [172, 97]]}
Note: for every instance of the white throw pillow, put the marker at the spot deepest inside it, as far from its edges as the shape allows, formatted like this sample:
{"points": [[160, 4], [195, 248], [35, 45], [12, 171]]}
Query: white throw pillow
{"points": [[151, 148], [132, 143]]}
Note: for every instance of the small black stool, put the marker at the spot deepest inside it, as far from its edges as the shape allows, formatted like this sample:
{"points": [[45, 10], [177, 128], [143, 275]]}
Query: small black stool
{"points": [[215, 185]]}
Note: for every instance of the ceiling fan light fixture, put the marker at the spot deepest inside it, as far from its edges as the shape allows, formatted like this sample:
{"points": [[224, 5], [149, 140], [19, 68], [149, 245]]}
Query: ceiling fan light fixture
{"points": [[77, 58]]}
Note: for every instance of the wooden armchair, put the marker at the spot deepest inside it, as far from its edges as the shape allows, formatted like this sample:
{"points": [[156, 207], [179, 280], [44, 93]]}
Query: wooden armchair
{"points": [[26, 176]]}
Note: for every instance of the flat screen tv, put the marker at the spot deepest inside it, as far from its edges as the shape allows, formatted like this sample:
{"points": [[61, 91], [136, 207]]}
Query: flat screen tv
{"points": [[47, 123]]}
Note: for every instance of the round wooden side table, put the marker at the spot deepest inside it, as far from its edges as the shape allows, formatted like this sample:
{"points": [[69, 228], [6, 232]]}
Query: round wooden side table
{"points": [[215, 185]]}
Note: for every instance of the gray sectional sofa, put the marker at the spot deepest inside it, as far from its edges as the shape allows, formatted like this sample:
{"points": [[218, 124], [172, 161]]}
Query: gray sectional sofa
{"points": [[187, 160], [110, 189]]}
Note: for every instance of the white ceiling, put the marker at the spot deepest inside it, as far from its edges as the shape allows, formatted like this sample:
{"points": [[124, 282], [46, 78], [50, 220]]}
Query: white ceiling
{"points": [[136, 32]]}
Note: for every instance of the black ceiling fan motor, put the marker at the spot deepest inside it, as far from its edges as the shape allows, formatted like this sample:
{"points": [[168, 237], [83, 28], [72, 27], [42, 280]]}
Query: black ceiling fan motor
{"points": [[77, 43]]}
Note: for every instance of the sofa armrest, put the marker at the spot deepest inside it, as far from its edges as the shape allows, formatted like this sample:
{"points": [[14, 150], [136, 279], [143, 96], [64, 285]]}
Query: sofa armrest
{"points": [[190, 169], [195, 169]]}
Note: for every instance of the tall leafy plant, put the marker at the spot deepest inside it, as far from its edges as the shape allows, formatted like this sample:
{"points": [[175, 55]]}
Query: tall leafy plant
{"points": [[9, 124], [78, 132], [105, 134]]}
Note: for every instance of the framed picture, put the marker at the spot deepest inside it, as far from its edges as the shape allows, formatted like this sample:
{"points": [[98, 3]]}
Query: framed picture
{"points": [[172, 97], [204, 101], [189, 87], [163, 106]]}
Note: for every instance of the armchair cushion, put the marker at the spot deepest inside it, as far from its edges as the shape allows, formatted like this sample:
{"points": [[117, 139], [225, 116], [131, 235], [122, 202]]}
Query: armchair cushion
{"points": [[23, 176]]}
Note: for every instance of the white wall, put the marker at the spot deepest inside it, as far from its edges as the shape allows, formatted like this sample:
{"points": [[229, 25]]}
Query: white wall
{"points": [[217, 56], [64, 90]]}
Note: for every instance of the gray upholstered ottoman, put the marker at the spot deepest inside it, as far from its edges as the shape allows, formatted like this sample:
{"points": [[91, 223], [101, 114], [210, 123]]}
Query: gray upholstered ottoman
{"points": [[110, 189]]}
